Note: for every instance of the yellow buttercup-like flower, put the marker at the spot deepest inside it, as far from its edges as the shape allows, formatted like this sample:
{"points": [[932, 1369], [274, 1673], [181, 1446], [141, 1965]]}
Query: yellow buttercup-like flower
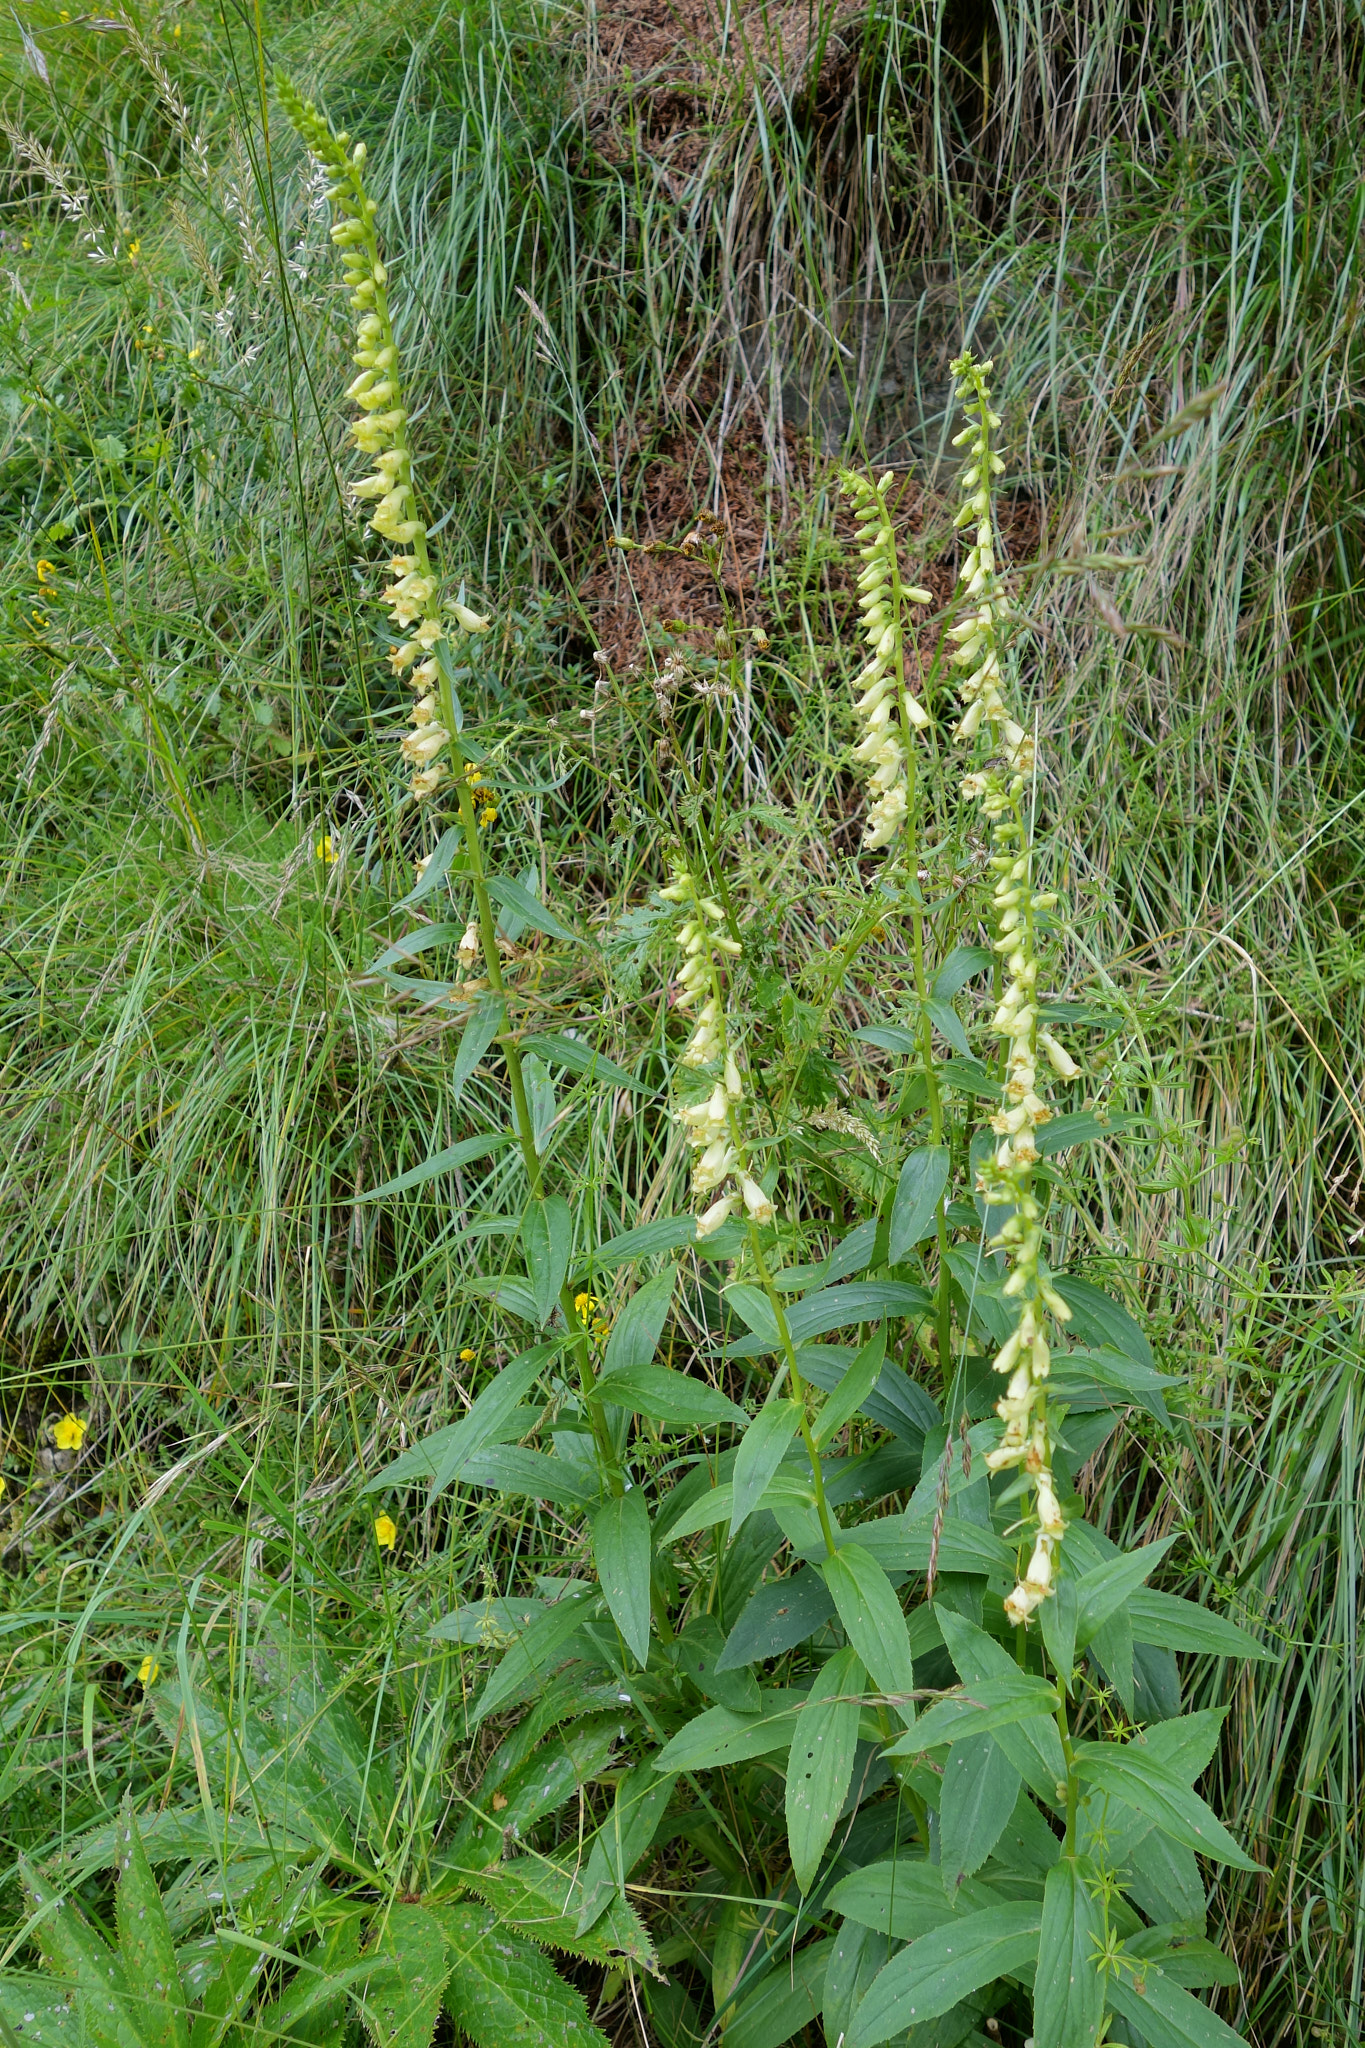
{"points": [[467, 1356], [149, 1671], [69, 1433], [584, 1304], [324, 849], [385, 1532]]}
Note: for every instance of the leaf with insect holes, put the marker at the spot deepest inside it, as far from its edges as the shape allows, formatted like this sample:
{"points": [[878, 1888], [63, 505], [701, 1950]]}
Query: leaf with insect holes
{"points": [[146, 1945], [820, 1766], [620, 1548], [873, 1620]]}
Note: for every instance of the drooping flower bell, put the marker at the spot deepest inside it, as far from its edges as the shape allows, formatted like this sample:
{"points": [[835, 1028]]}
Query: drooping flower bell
{"points": [[888, 710]]}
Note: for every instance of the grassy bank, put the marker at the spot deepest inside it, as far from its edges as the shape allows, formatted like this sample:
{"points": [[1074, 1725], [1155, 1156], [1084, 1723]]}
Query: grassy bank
{"points": [[646, 271]]}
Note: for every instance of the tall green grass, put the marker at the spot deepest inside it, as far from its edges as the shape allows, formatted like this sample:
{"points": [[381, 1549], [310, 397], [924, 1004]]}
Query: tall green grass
{"points": [[200, 1078]]}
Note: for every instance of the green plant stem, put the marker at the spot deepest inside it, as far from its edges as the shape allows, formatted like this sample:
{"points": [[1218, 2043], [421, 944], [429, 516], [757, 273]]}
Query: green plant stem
{"points": [[1072, 1783]]}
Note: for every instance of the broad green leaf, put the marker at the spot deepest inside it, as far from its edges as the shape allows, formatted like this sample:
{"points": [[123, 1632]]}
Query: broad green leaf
{"points": [[1104, 1589], [785, 2002], [697, 1652], [852, 1390], [890, 1038], [1068, 1991], [512, 896], [1166, 2015], [855, 1958], [897, 1402], [1164, 1881], [450, 843], [713, 1507], [641, 1800], [39, 2013], [1028, 1843], [1176, 1624], [971, 1077], [760, 1453], [578, 1056], [637, 1329], [442, 1455], [904, 1897], [919, 1190], [1081, 1128], [1033, 1747], [545, 1900], [502, 1991], [504, 1468], [941, 1968], [1111, 1379], [1057, 1621], [900, 1544], [620, 1548], [77, 1953], [721, 1736], [1187, 1960], [1133, 1774], [1096, 1319], [820, 1766], [484, 1023], [667, 1396], [979, 1709], [555, 1771], [420, 941], [440, 1162], [146, 1947], [404, 2004], [948, 1024], [666, 1234], [873, 1621], [546, 1239], [962, 965], [815, 1315], [540, 1648], [980, 1786], [781, 1614]]}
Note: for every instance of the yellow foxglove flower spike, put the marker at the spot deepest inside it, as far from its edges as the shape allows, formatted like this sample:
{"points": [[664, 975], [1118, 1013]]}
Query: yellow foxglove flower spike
{"points": [[887, 708], [1006, 1180], [381, 433]]}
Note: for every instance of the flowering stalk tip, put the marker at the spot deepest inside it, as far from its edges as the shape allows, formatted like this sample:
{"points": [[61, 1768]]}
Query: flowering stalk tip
{"points": [[888, 710]]}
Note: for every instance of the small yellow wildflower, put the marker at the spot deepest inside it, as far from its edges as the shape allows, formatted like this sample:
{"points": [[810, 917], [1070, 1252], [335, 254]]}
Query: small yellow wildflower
{"points": [[134, 249], [324, 849], [148, 1671], [69, 1433], [38, 619], [586, 1304], [601, 1328], [47, 573], [195, 353], [488, 814], [63, 16], [385, 1533], [176, 32], [467, 1356]]}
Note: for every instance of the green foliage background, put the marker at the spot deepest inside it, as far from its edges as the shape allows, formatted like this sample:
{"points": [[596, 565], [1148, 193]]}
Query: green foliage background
{"points": [[201, 1079]]}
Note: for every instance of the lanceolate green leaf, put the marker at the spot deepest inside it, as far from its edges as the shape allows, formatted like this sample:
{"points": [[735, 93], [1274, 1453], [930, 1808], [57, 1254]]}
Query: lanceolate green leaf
{"points": [[820, 1766], [540, 1649], [979, 1709], [441, 1456], [580, 1058], [941, 1968], [980, 1786], [620, 1546], [873, 1620], [546, 1239], [1155, 1789], [667, 1396], [721, 1736], [146, 1946], [785, 2003], [1176, 1624], [1164, 2014], [852, 1390], [455, 1155], [760, 1453], [512, 896], [1104, 1589], [486, 1020], [638, 1327], [919, 1190], [1033, 1746], [1068, 1991]]}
